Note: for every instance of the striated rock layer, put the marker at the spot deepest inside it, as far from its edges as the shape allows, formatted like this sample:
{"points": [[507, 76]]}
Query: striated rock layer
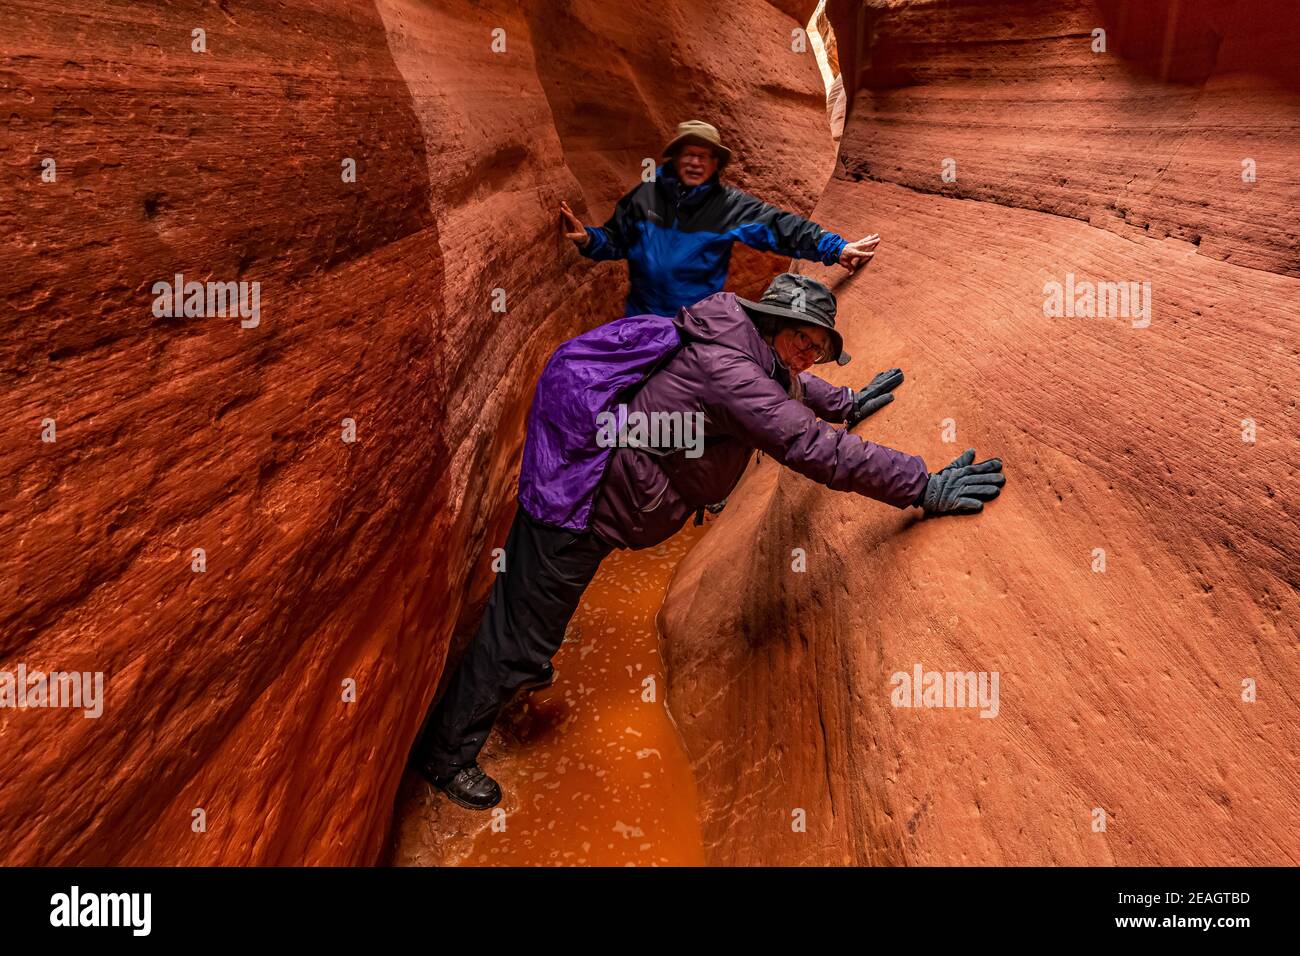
{"points": [[1121, 683], [228, 690]]}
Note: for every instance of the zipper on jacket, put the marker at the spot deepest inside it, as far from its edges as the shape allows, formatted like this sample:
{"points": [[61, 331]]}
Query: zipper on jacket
{"points": [[658, 500]]}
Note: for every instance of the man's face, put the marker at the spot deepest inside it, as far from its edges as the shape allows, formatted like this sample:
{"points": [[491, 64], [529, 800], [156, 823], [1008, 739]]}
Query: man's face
{"points": [[800, 346], [695, 164]]}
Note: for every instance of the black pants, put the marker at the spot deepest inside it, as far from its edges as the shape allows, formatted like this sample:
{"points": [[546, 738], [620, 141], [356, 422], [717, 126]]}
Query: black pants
{"points": [[546, 571]]}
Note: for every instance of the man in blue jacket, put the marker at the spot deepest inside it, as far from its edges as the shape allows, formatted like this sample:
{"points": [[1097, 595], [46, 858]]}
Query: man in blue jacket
{"points": [[676, 231]]}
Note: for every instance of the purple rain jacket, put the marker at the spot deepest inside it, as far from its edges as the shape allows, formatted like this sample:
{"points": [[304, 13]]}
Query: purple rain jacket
{"points": [[722, 369]]}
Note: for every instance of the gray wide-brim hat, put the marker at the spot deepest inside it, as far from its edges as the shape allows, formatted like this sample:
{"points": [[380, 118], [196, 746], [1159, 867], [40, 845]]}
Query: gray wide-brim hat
{"points": [[802, 299], [699, 133]]}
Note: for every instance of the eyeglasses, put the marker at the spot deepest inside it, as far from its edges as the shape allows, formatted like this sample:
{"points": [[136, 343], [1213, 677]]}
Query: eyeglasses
{"points": [[806, 344]]}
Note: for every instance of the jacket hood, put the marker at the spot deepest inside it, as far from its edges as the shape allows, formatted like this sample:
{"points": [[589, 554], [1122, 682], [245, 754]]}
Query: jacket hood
{"points": [[721, 320]]}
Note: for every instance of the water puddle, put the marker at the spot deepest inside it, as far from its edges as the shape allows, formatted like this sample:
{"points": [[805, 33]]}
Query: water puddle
{"points": [[592, 770]]}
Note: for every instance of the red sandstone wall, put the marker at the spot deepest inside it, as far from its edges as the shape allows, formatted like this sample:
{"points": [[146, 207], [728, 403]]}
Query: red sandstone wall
{"points": [[325, 560], [1122, 689]]}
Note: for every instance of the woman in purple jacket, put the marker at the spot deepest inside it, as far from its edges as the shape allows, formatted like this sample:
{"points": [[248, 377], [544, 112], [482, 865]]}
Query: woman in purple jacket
{"points": [[737, 371]]}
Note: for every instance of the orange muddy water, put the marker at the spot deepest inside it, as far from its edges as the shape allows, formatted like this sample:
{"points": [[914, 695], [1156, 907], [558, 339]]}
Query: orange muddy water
{"points": [[591, 768]]}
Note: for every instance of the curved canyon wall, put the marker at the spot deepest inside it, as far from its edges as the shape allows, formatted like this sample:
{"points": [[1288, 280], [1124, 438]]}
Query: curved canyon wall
{"points": [[1135, 586], [276, 681]]}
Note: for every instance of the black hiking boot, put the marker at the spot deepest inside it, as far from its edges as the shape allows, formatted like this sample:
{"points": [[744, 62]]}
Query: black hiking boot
{"points": [[543, 680], [470, 787]]}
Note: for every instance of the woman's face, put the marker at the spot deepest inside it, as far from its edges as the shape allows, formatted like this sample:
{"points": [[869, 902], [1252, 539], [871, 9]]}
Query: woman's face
{"points": [[801, 346]]}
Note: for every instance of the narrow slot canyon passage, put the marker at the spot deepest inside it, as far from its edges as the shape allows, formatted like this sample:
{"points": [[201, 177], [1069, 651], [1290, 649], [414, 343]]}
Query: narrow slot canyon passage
{"points": [[281, 279], [262, 529], [592, 767]]}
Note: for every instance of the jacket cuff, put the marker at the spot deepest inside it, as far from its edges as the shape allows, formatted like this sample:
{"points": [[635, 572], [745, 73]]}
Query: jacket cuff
{"points": [[830, 247], [595, 241], [846, 404]]}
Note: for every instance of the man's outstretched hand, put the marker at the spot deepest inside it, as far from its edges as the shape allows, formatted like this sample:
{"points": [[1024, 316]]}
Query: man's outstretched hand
{"points": [[859, 253], [962, 487], [874, 397], [573, 227]]}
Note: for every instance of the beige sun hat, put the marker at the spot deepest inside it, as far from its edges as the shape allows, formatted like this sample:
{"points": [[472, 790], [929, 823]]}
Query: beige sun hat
{"points": [[699, 133]]}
